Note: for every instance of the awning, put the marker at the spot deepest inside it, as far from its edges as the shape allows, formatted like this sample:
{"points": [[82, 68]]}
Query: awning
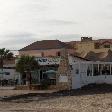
{"points": [[51, 74]]}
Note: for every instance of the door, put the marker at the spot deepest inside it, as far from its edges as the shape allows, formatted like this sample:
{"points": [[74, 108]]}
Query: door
{"points": [[83, 74], [76, 76]]}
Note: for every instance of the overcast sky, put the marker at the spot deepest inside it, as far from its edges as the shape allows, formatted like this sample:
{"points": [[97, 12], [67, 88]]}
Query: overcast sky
{"points": [[25, 21]]}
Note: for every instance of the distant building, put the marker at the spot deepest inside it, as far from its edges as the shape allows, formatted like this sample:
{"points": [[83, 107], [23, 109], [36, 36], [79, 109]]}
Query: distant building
{"points": [[87, 44], [46, 48], [8, 74]]}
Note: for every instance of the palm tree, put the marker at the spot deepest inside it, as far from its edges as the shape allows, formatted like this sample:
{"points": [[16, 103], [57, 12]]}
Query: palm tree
{"points": [[25, 65], [5, 55]]}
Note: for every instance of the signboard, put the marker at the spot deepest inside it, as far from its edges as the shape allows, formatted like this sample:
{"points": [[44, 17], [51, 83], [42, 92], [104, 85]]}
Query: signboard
{"points": [[63, 79], [48, 61]]}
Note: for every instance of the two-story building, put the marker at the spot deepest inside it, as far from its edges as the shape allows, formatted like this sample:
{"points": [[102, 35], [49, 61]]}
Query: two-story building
{"points": [[47, 53], [46, 48]]}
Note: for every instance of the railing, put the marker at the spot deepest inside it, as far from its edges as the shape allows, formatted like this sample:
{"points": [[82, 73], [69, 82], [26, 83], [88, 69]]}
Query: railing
{"points": [[9, 82]]}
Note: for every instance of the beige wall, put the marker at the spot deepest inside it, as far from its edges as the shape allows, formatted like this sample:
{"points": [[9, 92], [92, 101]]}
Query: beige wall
{"points": [[102, 50], [85, 47], [38, 53], [89, 46]]}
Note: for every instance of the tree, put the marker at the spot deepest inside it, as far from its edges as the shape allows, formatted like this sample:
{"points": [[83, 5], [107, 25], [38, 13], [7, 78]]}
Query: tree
{"points": [[4, 55], [27, 64]]}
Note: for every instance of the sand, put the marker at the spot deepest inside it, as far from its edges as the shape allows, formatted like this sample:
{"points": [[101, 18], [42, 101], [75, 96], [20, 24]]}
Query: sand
{"points": [[78, 103]]}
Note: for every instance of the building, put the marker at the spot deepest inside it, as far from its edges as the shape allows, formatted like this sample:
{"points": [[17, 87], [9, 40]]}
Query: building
{"points": [[64, 70], [85, 73], [87, 44], [54, 69], [46, 48], [49, 70], [48, 55], [8, 75]]}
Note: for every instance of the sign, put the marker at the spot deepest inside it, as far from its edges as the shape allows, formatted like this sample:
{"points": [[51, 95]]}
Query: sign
{"points": [[48, 61], [63, 79]]}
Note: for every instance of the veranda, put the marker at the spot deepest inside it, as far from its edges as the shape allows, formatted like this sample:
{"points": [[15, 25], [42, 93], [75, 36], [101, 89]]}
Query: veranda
{"points": [[84, 73]]}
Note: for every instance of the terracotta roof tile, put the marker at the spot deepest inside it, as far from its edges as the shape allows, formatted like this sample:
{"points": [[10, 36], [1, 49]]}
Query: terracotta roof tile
{"points": [[46, 44]]}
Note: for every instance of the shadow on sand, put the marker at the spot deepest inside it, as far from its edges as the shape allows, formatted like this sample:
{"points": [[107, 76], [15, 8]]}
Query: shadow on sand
{"points": [[91, 89]]}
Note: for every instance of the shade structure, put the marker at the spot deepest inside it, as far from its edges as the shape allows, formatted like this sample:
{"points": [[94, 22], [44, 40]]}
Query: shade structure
{"points": [[108, 58], [102, 56], [50, 74]]}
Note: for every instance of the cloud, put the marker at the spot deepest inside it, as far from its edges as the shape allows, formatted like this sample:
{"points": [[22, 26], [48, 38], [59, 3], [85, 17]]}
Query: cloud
{"points": [[25, 21], [18, 35], [66, 37], [17, 40], [59, 22]]}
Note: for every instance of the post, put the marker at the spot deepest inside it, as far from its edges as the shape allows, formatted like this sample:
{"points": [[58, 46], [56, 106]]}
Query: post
{"points": [[98, 69], [92, 69], [110, 69]]}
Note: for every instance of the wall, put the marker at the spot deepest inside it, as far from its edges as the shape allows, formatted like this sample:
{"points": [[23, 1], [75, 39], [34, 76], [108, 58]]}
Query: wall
{"points": [[85, 46], [46, 53], [89, 46]]}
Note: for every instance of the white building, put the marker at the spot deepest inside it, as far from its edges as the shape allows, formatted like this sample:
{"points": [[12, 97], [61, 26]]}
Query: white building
{"points": [[84, 73]]}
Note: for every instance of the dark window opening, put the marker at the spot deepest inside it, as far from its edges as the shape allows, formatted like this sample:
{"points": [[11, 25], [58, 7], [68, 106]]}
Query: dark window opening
{"points": [[58, 54], [7, 73], [97, 46], [42, 54], [89, 70], [95, 70], [106, 46], [71, 67]]}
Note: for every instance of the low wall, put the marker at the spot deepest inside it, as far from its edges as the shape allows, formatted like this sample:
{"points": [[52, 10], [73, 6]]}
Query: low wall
{"points": [[28, 87]]}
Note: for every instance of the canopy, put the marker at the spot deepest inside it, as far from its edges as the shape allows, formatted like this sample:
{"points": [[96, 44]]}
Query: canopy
{"points": [[51, 74]]}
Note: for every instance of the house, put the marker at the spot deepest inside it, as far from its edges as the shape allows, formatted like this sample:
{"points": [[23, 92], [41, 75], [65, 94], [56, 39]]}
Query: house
{"points": [[84, 73], [48, 55], [74, 72], [49, 68], [46, 48], [87, 44], [8, 75], [63, 70]]}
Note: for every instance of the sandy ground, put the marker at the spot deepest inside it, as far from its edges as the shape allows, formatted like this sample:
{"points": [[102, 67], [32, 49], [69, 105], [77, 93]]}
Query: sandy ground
{"points": [[83, 103], [6, 91], [92, 100]]}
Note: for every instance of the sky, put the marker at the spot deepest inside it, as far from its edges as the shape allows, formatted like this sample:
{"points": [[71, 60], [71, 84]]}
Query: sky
{"points": [[25, 21]]}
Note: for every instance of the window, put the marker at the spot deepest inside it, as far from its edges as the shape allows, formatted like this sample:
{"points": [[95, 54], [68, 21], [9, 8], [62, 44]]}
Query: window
{"points": [[7, 73], [71, 67], [106, 70], [97, 46], [42, 54], [77, 71], [111, 69], [106, 46], [58, 54], [95, 70], [89, 70]]}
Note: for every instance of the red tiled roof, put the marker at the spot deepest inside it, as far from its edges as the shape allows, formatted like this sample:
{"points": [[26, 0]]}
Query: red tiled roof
{"points": [[46, 44], [102, 41]]}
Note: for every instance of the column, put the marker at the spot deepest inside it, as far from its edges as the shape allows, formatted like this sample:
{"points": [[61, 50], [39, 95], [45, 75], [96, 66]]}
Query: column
{"points": [[110, 69], [98, 69], [92, 69]]}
